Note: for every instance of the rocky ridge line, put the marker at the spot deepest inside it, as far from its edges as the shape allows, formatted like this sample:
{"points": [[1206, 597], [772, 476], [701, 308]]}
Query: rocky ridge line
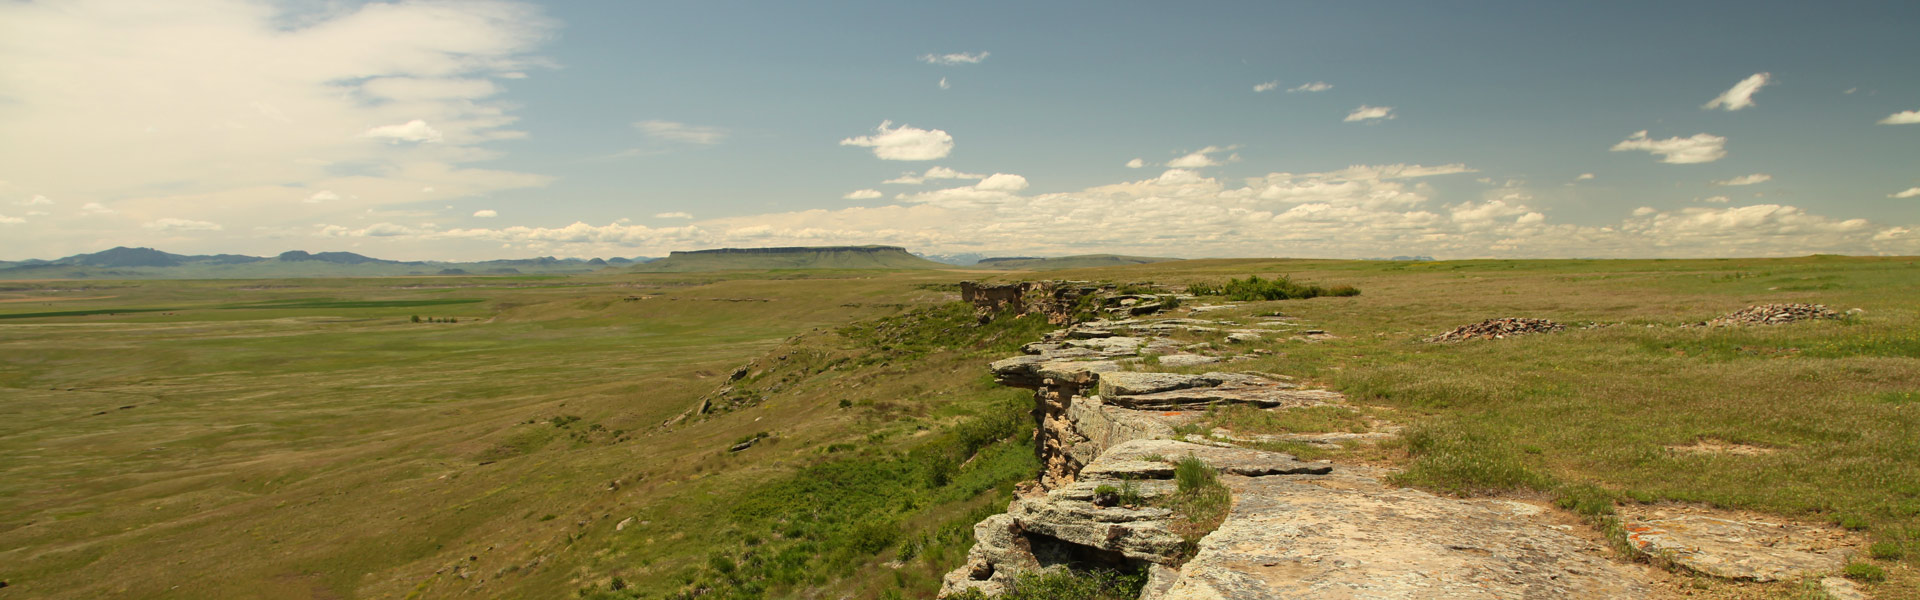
{"points": [[1295, 530]]}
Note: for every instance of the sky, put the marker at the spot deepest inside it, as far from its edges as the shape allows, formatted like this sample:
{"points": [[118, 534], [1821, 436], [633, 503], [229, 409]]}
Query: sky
{"points": [[492, 129]]}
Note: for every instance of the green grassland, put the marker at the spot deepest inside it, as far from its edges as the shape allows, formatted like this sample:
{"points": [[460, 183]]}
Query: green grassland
{"points": [[305, 438]]}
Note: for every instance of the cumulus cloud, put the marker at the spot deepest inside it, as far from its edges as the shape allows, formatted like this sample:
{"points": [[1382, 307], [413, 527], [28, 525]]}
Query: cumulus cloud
{"points": [[911, 178], [95, 208], [1905, 117], [1369, 113], [673, 215], [6, 220], [1701, 148], [957, 58], [1717, 199], [172, 224], [1265, 87], [944, 85], [1199, 158], [672, 131], [1584, 177], [1317, 86], [1136, 163], [411, 131], [863, 195], [321, 196], [1745, 179], [36, 200], [1740, 95], [486, 213], [905, 142], [1912, 192], [1355, 211], [283, 100], [1002, 182]]}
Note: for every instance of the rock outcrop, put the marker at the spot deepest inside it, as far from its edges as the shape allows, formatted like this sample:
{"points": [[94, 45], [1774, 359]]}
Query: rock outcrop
{"points": [[1296, 529]]}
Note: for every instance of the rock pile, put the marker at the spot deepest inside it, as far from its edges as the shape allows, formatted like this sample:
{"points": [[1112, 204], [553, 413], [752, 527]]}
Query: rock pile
{"points": [[1494, 329], [1773, 314]]}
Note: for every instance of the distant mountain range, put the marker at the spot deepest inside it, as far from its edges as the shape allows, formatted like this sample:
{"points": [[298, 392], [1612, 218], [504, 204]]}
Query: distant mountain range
{"points": [[805, 257], [1082, 261], [148, 263]]}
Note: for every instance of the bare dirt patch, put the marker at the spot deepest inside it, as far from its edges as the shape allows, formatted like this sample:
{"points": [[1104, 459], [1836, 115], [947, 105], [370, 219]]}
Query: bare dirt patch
{"points": [[1713, 446]]}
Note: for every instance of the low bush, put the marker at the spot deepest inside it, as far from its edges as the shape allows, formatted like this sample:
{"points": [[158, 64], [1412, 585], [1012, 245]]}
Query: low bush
{"points": [[1096, 584], [1254, 288]]}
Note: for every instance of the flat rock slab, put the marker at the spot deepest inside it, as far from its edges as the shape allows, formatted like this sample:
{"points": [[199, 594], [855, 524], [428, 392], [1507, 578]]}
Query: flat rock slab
{"points": [[1346, 535], [1734, 549], [1264, 396]]}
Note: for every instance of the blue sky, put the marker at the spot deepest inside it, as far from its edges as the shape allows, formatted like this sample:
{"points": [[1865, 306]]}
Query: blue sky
{"points": [[471, 130]]}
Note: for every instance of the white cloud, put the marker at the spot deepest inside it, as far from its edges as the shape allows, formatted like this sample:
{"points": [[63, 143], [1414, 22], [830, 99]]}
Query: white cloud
{"points": [[1002, 182], [1905, 117], [321, 196], [416, 130], [1912, 192], [1584, 177], [911, 178], [1265, 87], [1361, 210], [486, 213], [227, 110], [863, 195], [1717, 199], [957, 58], [1701, 148], [944, 85], [681, 132], [673, 215], [173, 224], [1740, 95], [946, 173], [1317, 86], [905, 143], [6, 220], [95, 208], [1745, 179], [1136, 163], [1199, 158], [36, 200], [1367, 113]]}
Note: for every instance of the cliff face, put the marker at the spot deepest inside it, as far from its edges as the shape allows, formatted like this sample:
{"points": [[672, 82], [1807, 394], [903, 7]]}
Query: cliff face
{"points": [[1296, 529]]}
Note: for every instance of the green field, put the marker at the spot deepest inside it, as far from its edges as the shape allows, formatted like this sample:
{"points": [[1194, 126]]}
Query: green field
{"points": [[306, 438]]}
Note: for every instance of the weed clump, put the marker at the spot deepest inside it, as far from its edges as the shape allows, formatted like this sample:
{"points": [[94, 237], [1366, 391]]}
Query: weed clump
{"points": [[1253, 288], [1868, 572], [1095, 584], [1199, 504]]}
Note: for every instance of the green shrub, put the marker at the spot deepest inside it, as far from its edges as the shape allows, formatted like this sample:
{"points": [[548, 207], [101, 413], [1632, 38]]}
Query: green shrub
{"points": [[1868, 572], [1279, 288], [1886, 550], [1586, 499], [1096, 584], [1191, 474], [1853, 522]]}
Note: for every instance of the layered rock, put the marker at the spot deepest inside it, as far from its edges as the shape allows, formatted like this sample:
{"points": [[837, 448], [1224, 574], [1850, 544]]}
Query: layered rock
{"points": [[1295, 529]]}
